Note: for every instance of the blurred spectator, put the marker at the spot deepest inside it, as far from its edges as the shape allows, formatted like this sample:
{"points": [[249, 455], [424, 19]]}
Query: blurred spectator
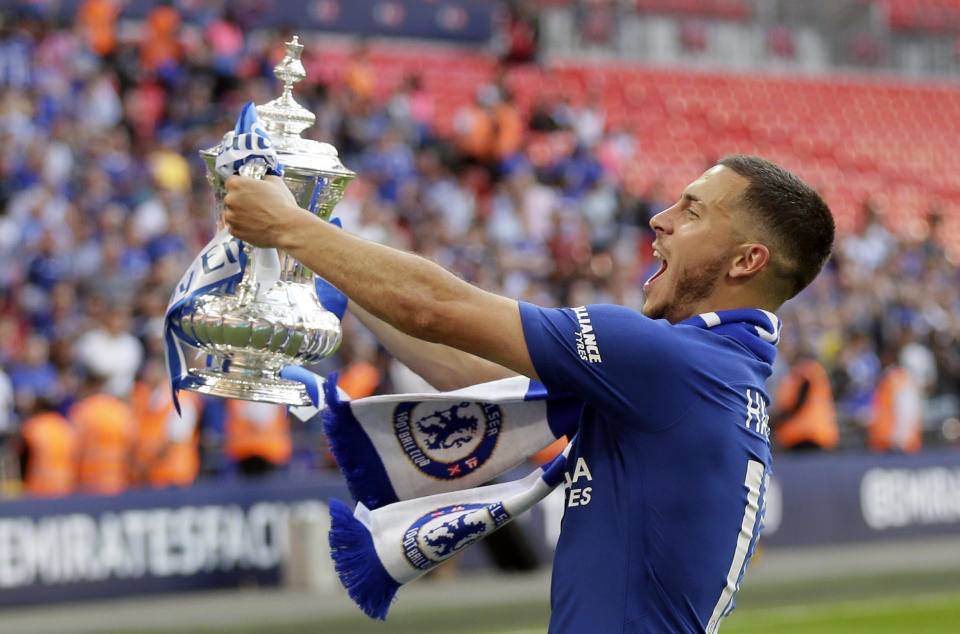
{"points": [[896, 413], [520, 33], [693, 36], [166, 451], [48, 453], [35, 377], [508, 129], [226, 43], [257, 437], [96, 22], [599, 20], [780, 41], [106, 430], [111, 351], [589, 119], [412, 110], [804, 416], [7, 415], [361, 377], [358, 75], [161, 50], [474, 127], [867, 250]]}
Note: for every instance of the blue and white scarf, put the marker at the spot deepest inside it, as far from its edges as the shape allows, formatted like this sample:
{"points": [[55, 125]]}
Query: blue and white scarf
{"points": [[410, 461], [414, 463]]}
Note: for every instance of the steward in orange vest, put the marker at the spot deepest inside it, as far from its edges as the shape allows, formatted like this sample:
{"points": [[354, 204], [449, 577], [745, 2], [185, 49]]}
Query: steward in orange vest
{"points": [[166, 452], [257, 436], [896, 413], [807, 418], [360, 379], [106, 430], [48, 455]]}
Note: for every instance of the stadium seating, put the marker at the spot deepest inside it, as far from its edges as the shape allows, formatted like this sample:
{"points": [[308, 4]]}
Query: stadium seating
{"points": [[853, 137], [923, 15]]}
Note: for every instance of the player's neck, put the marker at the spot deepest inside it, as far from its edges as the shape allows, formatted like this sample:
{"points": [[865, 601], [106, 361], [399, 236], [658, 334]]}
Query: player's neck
{"points": [[733, 299]]}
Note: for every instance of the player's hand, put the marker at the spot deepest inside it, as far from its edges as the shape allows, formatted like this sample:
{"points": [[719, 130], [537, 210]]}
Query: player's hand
{"points": [[261, 212]]}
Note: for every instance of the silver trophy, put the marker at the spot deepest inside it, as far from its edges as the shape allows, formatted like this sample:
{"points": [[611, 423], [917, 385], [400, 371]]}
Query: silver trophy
{"points": [[252, 332]]}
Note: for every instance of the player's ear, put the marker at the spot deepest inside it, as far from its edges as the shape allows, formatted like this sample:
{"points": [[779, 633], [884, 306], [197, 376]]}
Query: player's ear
{"points": [[749, 259]]}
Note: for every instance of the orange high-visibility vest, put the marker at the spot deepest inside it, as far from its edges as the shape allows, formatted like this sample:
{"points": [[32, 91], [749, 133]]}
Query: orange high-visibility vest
{"points": [[816, 420], [159, 43], [550, 452], [97, 21], [257, 430], [52, 459], [106, 430], [896, 413], [359, 380], [509, 128], [474, 132], [166, 451]]}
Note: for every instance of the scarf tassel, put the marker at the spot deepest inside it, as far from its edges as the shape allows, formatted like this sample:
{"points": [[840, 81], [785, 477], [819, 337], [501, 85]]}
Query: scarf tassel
{"points": [[355, 559], [356, 456]]}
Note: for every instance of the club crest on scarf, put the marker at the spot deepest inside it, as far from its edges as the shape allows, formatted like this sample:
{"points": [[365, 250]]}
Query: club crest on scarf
{"points": [[447, 441], [443, 532]]}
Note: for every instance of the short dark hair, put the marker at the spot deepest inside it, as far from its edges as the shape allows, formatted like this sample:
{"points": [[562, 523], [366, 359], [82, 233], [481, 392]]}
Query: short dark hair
{"points": [[791, 214]]}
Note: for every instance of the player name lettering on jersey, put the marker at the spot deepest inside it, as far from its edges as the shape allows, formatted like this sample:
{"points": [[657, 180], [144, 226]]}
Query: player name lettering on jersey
{"points": [[586, 338], [578, 495], [757, 418]]}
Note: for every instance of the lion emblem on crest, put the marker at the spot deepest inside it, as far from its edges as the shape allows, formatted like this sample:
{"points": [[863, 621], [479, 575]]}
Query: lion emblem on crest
{"points": [[448, 428]]}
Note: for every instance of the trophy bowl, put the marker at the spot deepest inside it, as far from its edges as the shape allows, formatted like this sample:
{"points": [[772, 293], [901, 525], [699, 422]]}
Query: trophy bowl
{"points": [[252, 329]]}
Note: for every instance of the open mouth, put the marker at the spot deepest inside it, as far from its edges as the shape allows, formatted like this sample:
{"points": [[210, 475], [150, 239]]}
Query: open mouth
{"points": [[663, 267]]}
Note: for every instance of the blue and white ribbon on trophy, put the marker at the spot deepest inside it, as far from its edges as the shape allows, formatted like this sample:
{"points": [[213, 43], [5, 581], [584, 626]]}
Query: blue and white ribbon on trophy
{"points": [[222, 261], [248, 142]]}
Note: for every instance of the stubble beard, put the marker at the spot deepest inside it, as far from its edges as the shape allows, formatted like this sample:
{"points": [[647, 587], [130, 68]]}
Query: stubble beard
{"points": [[690, 290]]}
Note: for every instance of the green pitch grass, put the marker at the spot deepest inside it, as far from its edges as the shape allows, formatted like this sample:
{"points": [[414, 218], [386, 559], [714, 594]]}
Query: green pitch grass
{"points": [[926, 602], [923, 613], [881, 615]]}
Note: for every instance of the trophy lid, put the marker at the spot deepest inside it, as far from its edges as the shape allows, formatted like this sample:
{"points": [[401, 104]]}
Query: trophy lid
{"points": [[284, 119]]}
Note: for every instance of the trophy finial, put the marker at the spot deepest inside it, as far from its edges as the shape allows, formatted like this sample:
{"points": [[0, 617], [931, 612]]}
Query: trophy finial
{"points": [[290, 69], [284, 117]]}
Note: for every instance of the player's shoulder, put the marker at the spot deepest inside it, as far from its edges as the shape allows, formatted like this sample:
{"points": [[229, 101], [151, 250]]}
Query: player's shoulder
{"points": [[617, 319], [609, 331]]}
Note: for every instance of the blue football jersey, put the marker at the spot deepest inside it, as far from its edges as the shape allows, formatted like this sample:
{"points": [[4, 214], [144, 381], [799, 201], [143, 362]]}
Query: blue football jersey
{"points": [[666, 477]]}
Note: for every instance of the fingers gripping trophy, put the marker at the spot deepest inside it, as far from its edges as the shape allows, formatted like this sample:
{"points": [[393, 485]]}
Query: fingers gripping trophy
{"points": [[252, 312]]}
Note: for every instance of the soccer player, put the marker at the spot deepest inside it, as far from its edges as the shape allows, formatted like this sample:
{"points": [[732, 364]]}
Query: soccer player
{"points": [[666, 478]]}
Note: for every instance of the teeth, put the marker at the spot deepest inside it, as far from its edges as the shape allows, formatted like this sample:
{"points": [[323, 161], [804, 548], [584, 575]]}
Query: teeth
{"points": [[657, 254]]}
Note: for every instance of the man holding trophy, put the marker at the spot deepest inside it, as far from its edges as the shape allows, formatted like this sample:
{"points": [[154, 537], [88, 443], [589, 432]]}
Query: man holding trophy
{"points": [[259, 315], [666, 475]]}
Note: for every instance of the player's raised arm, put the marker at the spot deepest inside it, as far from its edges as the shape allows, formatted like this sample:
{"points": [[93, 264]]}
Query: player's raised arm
{"points": [[441, 366], [411, 293]]}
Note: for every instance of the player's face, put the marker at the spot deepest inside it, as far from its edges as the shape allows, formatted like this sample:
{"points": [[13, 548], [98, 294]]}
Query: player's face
{"points": [[695, 243]]}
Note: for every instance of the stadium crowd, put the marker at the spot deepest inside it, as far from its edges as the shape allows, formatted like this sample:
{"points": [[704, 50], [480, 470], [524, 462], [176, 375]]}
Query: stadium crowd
{"points": [[103, 204]]}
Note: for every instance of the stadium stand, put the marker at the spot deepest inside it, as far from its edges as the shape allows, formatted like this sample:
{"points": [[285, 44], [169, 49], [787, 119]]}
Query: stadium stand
{"points": [[102, 193], [922, 15], [835, 132]]}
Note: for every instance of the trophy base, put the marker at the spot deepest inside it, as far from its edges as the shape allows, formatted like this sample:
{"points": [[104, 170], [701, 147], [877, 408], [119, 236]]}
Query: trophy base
{"points": [[246, 387]]}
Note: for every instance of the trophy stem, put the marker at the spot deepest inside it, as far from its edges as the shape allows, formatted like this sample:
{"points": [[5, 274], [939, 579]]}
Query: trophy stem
{"points": [[248, 286]]}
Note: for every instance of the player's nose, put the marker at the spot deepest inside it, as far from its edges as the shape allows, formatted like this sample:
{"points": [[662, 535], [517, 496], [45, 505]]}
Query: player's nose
{"points": [[662, 222]]}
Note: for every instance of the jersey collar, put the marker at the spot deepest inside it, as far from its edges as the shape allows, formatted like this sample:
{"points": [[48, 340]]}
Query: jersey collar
{"points": [[758, 330]]}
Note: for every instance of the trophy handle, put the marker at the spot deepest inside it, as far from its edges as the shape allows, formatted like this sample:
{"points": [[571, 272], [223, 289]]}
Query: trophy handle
{"points": [[248, 286]]}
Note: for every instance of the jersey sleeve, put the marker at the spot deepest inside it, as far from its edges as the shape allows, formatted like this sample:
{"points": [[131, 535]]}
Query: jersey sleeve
{"points": [[613, 358]]}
